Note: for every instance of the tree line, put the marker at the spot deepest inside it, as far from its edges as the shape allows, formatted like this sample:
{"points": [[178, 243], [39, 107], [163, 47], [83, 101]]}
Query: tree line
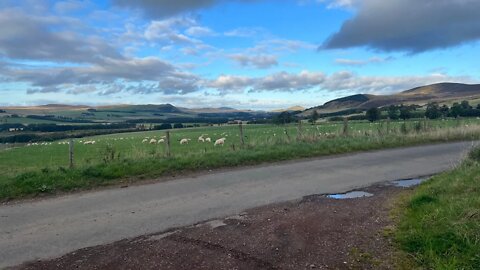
{"points": [[433, 111]]}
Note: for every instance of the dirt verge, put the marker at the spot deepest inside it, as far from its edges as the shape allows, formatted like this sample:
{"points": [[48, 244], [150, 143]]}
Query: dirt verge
{"points": [[313, 233]]}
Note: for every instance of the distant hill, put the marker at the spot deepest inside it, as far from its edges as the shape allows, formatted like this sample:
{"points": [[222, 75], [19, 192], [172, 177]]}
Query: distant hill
{"points": [[131, 113], [291, 109], [441, 92]]}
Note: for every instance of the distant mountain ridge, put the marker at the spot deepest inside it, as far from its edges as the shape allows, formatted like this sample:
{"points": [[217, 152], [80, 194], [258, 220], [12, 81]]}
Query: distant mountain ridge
{"points": [[439, 92]]}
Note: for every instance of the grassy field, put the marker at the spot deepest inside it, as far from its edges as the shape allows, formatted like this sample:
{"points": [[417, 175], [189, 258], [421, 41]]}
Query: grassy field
{"points": [[440, 222], [29, 170]]}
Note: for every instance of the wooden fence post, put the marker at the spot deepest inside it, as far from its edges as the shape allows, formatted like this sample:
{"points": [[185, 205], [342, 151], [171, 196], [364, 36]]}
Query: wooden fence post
{"points": [[242, 139], [70, 152], [388, 125], [168, 144], [286, 133], [345, 126], [300, 132]]}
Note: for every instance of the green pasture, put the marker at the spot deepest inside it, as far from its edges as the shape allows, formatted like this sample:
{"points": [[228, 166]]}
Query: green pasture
{"points": [[129, 145]]}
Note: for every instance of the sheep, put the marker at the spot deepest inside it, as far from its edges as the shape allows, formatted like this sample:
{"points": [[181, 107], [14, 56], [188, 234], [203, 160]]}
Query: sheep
{"points": [[89, 142], [184, 141], [161, 141], [209, 140], [145, 141], [201, 139], [220, 141], [153, 141]]}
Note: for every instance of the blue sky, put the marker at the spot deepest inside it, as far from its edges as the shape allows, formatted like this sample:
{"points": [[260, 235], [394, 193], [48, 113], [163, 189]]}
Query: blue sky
{"points": [[248, 54]]}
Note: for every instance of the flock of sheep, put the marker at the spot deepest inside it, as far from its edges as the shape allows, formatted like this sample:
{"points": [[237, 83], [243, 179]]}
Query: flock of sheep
{"points": [[201, 139]]}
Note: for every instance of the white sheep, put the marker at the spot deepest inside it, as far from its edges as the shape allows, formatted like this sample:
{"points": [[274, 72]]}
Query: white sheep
{"points": [[220, 141], [161, 141], [145, 141], [184, 141], [201, 139], [153, 141], [209, 140]]}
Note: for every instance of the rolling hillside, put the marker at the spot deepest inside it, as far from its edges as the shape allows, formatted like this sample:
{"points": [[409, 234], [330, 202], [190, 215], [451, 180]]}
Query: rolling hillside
{"points": [[441, 92]]}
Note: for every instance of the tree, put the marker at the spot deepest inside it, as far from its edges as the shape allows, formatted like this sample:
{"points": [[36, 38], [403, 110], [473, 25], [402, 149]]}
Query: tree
{"points": [[465, 105], [433, 111], [405, 112], [444, 110], [373, 114], [283, 118], [164, 126], [178, 125], [393, 112], [314, 117], [456, 110]]}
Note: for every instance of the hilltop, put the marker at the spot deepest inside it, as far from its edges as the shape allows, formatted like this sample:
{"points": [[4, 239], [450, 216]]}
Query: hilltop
{"points": [[441, 92]]}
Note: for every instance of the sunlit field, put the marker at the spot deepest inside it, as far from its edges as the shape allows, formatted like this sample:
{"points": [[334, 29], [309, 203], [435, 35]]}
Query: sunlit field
{"points": [[140, 154]]}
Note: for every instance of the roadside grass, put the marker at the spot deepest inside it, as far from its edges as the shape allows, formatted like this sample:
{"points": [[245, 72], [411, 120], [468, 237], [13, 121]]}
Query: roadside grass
{"points": [[439, 223], [119, 169]]}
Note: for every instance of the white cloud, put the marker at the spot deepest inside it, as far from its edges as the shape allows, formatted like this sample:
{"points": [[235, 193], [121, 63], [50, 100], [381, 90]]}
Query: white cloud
{"points": [[257, 61], [200, 31]]}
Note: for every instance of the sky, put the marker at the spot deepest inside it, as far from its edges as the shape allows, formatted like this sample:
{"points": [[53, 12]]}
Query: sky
{"points": [[245, 54]]}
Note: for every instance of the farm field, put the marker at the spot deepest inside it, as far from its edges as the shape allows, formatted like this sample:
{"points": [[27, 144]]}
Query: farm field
{"points": [[44, 168]]}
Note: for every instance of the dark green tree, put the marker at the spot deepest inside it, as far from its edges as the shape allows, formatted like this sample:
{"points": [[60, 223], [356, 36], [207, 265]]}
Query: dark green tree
{"points": [[433, 111], [283, 118], [393, 112], [373, 114], [314, 117], [456, 110], [465, 105], [405, 112], [444, 110]]}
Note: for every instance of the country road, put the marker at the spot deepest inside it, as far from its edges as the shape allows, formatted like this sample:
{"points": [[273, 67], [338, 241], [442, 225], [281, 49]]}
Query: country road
{"points": [[52, 227]]}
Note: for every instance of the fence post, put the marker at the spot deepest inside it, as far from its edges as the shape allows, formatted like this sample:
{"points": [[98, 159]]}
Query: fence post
{"points": [[300, 132], [345, 126], [70, 152], [242, 140], [168, 144], [388, 125], [286, 133]]}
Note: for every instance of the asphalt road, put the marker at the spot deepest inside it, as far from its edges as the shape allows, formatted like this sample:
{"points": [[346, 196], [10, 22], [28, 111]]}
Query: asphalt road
{"points": [[52, 227]]}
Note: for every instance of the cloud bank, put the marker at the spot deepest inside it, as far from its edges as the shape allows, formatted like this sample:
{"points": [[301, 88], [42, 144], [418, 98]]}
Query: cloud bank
{"points": [[408, 25]]}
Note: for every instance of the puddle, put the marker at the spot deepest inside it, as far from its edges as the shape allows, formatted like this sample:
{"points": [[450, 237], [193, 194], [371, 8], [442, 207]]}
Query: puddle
{"points": [[237, 217], [161, 236], [409, 182], [350, 195], [215, 223]]}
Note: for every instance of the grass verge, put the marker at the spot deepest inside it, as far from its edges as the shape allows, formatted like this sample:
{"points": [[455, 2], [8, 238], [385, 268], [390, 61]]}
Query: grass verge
{"points": [[439, 223]]}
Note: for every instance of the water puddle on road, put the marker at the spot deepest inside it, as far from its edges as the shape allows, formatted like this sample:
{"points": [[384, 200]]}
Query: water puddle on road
{"points": [[409, 182], [350, 195], [215, 223]]}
